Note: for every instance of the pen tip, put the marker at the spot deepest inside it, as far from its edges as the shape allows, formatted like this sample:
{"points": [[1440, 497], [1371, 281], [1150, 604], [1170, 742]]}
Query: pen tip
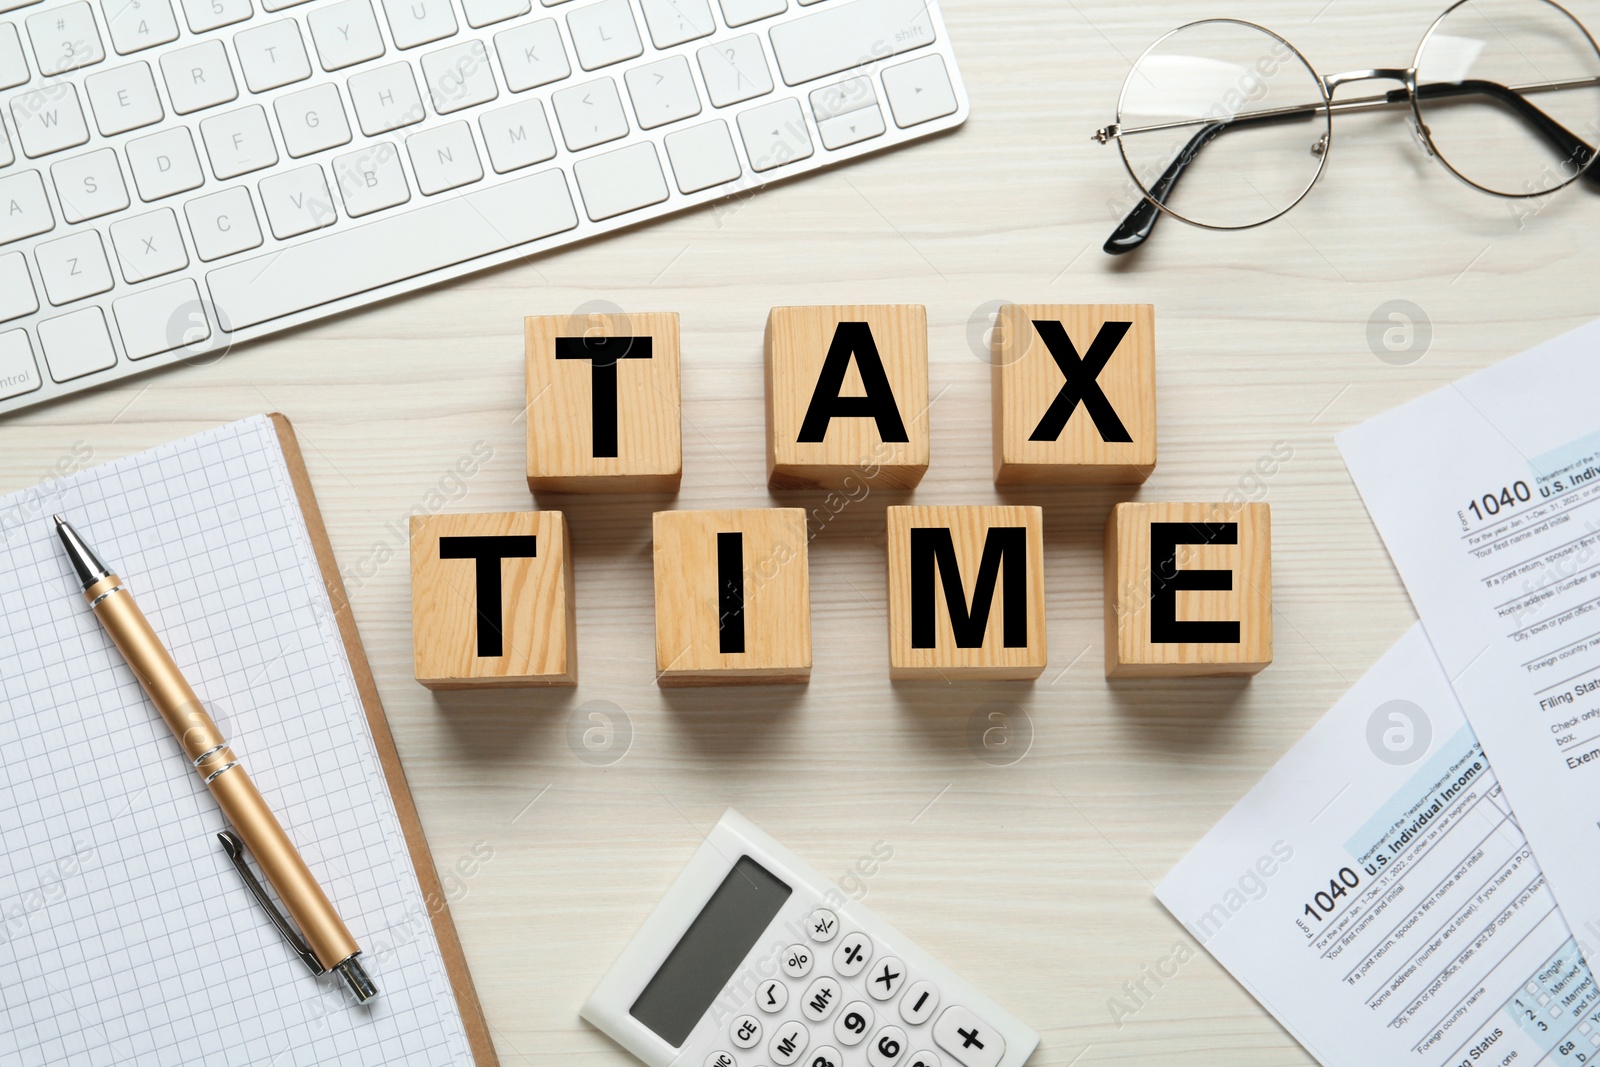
{"points": [[60, 522]]}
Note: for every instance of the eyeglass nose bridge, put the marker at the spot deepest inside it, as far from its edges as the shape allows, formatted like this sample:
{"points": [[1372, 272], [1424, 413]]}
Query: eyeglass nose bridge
{"points": [[1405, 76]]}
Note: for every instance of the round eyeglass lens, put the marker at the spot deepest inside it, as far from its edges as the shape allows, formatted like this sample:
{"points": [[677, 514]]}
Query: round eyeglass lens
{"points": [[1509, 94], [1224, 124]]}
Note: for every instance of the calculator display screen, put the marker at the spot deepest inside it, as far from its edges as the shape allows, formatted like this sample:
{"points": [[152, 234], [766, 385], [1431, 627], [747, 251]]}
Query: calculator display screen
{"points": [[718, 940]]}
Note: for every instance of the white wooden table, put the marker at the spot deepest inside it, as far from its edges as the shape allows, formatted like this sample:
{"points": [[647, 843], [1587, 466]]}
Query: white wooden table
{"points": [[1032, 880]]}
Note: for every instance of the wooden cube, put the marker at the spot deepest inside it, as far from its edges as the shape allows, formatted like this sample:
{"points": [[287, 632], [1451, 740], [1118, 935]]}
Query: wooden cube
{"points": [[966, 593], [1074, 393], [847, 396], [604, 406], [491, 601], [1188, 590], [733, 597]]}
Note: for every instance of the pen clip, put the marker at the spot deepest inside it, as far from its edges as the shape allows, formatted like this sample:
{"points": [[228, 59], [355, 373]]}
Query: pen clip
{"points": [[235, 850]]}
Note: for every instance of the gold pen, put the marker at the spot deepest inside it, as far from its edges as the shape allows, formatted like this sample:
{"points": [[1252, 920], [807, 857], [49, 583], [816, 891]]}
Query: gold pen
{"points": [[326, 944]]}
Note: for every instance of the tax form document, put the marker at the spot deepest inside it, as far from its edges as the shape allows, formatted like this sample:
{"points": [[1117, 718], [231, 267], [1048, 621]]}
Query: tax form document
{"points": [[1487, 494], [1376, 894]]}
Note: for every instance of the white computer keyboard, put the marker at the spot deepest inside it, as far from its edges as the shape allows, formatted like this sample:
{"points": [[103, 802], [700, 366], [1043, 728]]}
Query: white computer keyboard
{"points": [[177, 176]]}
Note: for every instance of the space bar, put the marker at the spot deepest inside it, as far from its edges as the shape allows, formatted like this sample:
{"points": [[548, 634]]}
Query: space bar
{"points": [[350, 262]]}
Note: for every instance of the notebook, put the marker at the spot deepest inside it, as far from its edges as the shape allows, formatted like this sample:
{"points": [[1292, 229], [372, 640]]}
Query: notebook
{"points": [[126, 936]]}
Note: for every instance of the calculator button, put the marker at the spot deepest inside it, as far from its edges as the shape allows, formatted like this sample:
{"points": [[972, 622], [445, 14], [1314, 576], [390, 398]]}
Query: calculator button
{"points": [[853, 955], [720, 1059], [854, 1021], [968, 1039], [826, 1056], [888, 976], [797, 961], [821, 999], [789, 1043], [746, 1032], [923, 1059], [824, 925], [919, 1003], [772, 996], [888, 1045]]}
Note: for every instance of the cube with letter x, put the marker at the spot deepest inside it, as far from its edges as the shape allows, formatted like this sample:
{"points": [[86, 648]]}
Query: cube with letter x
{"points": [[847, 396], [491, 601], [604, 403], [1074, 389]]}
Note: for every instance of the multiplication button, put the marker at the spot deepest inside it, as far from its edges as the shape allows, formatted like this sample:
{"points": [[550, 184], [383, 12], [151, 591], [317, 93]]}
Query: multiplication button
{"points": [[772, 996], [746, 1031], [823, 925], [797, 961], [888, 976], [853, 954], [919, 1003], [789, 1043], [968, 1039]]}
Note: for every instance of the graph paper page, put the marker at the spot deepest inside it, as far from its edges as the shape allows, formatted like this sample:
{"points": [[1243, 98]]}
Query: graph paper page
{"points": [[126, 936]]}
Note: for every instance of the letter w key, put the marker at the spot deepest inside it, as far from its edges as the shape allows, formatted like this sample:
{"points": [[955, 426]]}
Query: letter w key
{"points": [[1081, 383]]}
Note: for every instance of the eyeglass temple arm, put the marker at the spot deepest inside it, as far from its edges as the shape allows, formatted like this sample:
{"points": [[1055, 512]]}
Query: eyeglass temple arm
{"points": [[1136, 228]]}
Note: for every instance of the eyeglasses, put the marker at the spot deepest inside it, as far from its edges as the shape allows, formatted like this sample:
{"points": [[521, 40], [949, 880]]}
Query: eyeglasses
{"points": [[1225, 125]]}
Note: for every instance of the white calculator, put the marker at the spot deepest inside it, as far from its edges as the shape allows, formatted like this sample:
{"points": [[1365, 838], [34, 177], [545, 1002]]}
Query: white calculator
{"points": [[753, 959]]}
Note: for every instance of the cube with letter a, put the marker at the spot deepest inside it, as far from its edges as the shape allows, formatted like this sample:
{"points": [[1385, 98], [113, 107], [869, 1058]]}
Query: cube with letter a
{"points": [[847, 396], [733, 597], [604, 407], [1188, 590], [491, 601], [966, 593], [1074, 394]]}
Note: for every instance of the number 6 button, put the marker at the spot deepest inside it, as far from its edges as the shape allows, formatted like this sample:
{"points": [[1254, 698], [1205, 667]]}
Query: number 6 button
{"points": [[852, 955], [888, 1045], [970, 1040]]}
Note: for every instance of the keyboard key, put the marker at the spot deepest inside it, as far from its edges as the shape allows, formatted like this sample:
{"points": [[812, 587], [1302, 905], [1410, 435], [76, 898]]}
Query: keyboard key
{"points": [[517, 136], [148, 246], [345, 33], [739, 12], [673, 22], [772, 996], [444, 157], [13, 64], [735, 70], [775, 135], [124, 98], [73, 267], [887, 978], [853, 954], [7, 156], [77, 344], [297, 202], [482, 13], [919, 91], [17, 297], [386, 99], [663, 92], [703, 156], [161, 319], [789, 1043], [281, 5], [239, 142], [49, 120], [842, 97], [371, 179], [272, 56], [604, 33], [223, 224], [532, 55], [164, 163], [919, 1003], [12, 5], [419, 22], [459, 77], [822, 998], [850, 1028], [886, 1047], [863, 124], [198, 77], [18, 372], [348, 262], [203, 15], [24, 207], [89, 186], [620, 181], [312, 120], [139, 24], [968, 1039], [845, 36], [65, 38], [590, 114]]}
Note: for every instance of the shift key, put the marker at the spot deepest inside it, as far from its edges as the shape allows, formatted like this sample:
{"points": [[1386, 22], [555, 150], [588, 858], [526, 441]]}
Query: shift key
{"points": [[850, 35]]}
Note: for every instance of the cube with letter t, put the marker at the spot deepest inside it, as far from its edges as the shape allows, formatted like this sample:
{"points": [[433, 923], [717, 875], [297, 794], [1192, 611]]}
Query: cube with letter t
{"points": [[491, 601], [604, 407], [847, 396], [966, 593], [1188, 590]]}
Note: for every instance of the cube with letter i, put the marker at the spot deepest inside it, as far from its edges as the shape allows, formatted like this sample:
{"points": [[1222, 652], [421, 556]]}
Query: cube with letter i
{"points": [[1074, 393], [733, 597], [966, 593], [604, 403], [1188, 590], [847, 396], [491, 601]]}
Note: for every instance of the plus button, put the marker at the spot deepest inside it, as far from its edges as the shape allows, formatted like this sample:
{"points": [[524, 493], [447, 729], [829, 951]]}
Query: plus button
{"points": [[969, 1038]]}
